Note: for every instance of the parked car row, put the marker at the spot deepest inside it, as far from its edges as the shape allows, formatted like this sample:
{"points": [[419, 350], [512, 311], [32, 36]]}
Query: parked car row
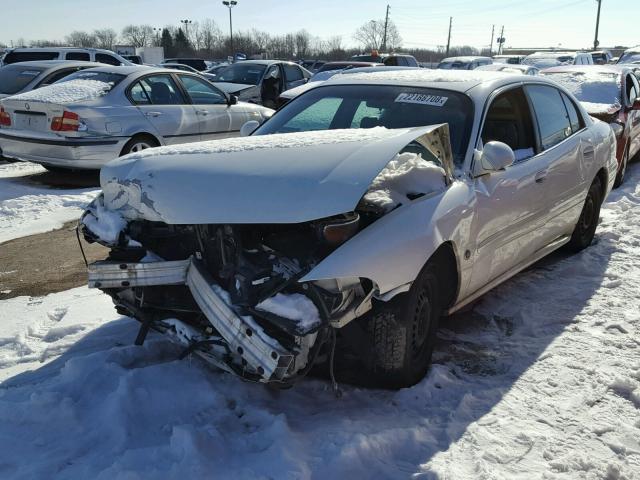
{"points": [[346, 224]]}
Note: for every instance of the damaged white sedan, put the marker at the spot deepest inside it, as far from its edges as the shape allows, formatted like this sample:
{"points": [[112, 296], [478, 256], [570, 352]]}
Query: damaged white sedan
{"points": [[343, 228]]}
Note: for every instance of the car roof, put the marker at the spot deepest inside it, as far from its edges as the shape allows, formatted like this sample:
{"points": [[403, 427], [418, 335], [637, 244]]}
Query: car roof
{"points": [[55, 63], [587, 69], [57, 49], [264, 62], [465, 58], [456, 80], [131, 69], [553, 54]]}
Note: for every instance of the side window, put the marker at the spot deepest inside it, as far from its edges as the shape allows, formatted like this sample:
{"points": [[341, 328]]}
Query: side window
{"points": [[108, 59], [82, 56], [632, 89], [366, 117], [159, 90], [292, 73], [139, 94], [411, 62], [553, 120], [574, 116], [509, 121], [201, 92], [392, 62]]}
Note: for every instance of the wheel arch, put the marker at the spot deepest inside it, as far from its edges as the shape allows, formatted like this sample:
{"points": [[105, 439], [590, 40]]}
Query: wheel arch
{"points": [[155, 138], [446, 254]]}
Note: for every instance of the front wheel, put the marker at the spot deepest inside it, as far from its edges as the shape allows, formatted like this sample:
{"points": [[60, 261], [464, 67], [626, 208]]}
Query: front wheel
{"points": [[585, 229], [402, 333]]}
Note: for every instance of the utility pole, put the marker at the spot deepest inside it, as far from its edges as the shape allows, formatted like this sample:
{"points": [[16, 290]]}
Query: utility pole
{"points": [[491, 44], [595, 40], [386, 25], [501, 41], [230, 4], [449, 37]]}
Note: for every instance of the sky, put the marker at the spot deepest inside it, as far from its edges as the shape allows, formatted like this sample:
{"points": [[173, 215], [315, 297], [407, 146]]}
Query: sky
{"points": [[422, 23]]}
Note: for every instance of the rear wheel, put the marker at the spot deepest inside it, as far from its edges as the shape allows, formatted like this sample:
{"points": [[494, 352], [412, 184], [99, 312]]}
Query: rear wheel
{"points": [[402, 333], [623, 168], [585, 229], [139, 143]]}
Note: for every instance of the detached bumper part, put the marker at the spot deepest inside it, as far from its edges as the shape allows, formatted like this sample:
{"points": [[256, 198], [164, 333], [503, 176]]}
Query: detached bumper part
{"points": [[247, 341]]}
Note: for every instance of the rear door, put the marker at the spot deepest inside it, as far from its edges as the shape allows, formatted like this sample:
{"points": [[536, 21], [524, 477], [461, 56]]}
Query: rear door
{"points": [[165, 108], [565, 149]]}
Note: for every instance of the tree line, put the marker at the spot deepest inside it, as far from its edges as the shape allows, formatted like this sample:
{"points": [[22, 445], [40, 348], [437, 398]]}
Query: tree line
{"points": [[205, 39]]}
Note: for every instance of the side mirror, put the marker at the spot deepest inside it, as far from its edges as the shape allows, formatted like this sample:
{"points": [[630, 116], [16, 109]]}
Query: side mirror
{"points": [[233, 100], [496, 156], [248, 128]]}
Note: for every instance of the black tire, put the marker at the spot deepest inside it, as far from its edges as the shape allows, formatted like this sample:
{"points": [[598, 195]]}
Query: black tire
{"points": [[138, 143], [53, 169], [623, 168], [585, 229], [401, 333]]}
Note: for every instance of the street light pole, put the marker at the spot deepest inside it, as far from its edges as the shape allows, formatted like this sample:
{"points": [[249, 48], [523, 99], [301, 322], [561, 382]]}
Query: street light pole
{"points": [[230, 4], [595, 40], [186, 28]]}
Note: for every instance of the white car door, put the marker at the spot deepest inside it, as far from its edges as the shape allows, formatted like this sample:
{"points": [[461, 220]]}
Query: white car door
{"points": [[217, 118], [567, 150], [509, 206], [171, 117]]}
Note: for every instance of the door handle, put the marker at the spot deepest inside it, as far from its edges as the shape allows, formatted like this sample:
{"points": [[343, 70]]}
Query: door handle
{"points": [[153, 114], [202, 112], [541, 176]]}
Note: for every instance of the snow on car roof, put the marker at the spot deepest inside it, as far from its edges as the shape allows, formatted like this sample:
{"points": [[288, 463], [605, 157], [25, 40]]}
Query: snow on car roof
{"points": [[459, 80], [76, 90], [597, 89], [464, 58]]}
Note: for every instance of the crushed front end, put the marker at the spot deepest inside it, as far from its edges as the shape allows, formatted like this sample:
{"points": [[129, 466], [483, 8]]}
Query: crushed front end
{"points": [[230, 293]]}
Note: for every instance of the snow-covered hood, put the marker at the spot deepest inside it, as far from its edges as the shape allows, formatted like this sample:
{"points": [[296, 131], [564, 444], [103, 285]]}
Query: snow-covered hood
{"points": [[233, 87], [281, 178]]}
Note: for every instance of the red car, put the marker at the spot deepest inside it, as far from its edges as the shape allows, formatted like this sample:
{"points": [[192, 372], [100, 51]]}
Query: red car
{"points": [[610, 93]]}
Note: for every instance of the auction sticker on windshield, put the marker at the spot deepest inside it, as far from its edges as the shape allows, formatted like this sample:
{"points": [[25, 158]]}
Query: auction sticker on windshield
{"points": [[421, 98]]}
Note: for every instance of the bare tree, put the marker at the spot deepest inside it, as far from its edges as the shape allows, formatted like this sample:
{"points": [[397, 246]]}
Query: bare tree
{"points": [[302, 40], [105, 38], [138, 35], [78, 38], [371, 35]]}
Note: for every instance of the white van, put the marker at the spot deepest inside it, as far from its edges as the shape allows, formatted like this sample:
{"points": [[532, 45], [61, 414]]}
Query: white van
{"points": [[15, 55]]}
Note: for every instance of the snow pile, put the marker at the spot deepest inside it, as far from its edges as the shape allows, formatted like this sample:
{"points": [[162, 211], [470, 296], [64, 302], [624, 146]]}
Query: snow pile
{"points": [[598, 92], [104, 223], [258, 142], [293, 306], [27, 208], [407, 174], [540, 380], [76, 90]]}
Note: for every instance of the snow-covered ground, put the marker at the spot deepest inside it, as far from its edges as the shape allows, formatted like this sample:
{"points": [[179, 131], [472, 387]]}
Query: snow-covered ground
{"points": [[27, 207], [540, 381]]}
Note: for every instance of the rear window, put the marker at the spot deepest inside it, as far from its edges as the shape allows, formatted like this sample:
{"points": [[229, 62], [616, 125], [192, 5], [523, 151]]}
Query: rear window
{"points": [[107, 77], [15, 57], [108, 59], [82, 56], [14, 78]]}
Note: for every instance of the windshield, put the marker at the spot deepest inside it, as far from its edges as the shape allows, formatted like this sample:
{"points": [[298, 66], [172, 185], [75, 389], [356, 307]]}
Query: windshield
{"points": [[107, 77], [592, 87], [331, 107], [454, 65], [550, 61], [13, 78], [248, 74], [629, 57]]}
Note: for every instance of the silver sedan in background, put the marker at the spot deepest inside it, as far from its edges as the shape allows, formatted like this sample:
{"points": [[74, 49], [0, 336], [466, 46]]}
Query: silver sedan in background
{"points": [[96, 115]]}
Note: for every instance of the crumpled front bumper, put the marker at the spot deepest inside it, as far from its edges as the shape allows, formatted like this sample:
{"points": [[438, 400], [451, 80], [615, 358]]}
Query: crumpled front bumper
{"points": [[246, 340]]}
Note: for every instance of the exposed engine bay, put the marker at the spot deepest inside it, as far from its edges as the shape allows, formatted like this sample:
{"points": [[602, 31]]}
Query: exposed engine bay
{"points": [[254, 269]]}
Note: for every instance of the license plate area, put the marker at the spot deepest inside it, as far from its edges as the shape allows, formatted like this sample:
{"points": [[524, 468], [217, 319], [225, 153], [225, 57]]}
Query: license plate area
{"points": [[25, 120]]}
